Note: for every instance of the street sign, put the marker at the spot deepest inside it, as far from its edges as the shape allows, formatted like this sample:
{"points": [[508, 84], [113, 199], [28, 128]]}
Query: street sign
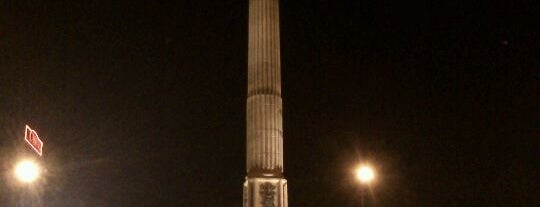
{"points": [[32, 138]]}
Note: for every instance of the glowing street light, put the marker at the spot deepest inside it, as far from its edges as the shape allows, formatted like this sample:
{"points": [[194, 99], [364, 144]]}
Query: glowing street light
{"points": [[27, 171], [365, 174]]}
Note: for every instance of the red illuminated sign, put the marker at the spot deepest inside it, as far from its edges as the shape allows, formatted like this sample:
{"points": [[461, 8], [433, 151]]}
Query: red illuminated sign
{"points": [[32, 138]]}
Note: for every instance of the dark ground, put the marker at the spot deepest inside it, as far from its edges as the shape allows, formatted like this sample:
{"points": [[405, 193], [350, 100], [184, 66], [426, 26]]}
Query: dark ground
{"points": [[142, 104]]}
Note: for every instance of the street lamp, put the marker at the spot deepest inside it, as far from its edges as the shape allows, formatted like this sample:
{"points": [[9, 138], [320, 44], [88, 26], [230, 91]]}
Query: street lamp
{"points": [[27, 171], [365, 175]]}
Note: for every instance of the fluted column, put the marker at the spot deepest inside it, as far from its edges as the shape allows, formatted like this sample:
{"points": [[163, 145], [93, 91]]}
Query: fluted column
{"points": [[264, 105]]}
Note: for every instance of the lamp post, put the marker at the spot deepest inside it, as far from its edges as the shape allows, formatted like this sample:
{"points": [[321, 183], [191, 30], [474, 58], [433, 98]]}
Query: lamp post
{"points": [[365, 175]]}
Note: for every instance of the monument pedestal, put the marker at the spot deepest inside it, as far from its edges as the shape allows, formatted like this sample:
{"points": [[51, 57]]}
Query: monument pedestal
{"points": [[265, 192]]}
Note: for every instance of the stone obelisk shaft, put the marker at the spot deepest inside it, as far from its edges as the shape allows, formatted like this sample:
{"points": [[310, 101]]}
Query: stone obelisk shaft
{"points": [[264, 105], [265, 185]]}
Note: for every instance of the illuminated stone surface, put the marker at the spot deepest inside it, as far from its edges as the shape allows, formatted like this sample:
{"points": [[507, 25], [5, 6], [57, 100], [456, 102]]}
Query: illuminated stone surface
{"points": [[265, 185]]}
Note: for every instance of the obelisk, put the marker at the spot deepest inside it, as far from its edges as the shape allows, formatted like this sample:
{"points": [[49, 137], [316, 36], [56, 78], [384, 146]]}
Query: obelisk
{"points": [[265, 185]]}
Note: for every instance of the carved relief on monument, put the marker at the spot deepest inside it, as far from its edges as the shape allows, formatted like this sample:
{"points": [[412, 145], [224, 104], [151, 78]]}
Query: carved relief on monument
{"points": [[268, 192]]}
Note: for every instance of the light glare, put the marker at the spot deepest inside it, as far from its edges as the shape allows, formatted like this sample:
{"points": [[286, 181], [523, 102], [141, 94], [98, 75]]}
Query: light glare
{"points": [[27, 171], [365, 174]]}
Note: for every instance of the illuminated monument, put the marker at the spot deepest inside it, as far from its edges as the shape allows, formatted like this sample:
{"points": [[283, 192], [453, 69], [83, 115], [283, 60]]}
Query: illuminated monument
{"points": [[265, 185]]}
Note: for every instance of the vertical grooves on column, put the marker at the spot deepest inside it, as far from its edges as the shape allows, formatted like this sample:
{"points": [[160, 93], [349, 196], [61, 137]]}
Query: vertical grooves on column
{"points": [[265, 129], [274, 84], [262, 84], [278, 48], [258, 83], [278, 82], [278, 75], [249, 141], [266, 78], [267, 83], [274, 126], [254, 68], [271, 83], [260, 59], [251, 84]]}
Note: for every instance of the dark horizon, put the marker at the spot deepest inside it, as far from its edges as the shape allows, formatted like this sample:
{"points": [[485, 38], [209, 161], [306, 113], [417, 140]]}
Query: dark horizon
{"points": [[143, 103]]}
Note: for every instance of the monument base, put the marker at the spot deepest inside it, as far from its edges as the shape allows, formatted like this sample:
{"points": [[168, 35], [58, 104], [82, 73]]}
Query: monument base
{"points": [[265, 192]]}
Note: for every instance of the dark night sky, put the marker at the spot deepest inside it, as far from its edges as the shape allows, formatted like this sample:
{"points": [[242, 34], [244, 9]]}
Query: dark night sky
{"points": [[143, 103]]}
